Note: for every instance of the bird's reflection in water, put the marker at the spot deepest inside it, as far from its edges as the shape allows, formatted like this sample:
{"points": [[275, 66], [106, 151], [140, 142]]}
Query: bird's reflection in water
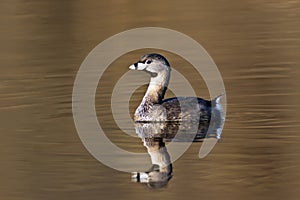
{"points": [[154, 137]]}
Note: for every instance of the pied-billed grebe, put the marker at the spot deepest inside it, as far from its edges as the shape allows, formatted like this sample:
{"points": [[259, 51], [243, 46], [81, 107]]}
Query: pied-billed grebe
{"points": [[154, 108]]}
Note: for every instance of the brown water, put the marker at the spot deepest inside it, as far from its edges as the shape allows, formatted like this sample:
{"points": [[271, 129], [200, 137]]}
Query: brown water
{"points": [[255, 46]]}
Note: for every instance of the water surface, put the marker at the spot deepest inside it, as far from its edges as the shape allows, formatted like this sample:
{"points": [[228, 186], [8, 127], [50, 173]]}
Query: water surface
{"points": [[255, 46]]}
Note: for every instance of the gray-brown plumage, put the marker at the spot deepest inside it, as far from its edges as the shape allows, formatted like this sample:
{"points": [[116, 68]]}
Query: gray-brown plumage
{"points": [[155, 108]]}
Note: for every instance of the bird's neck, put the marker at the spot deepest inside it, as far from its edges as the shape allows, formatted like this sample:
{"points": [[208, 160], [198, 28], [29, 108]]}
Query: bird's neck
{"points": [[157, 88]]}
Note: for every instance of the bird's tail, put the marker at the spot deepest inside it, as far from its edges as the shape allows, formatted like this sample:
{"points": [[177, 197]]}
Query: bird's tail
{"points": [[218, 98]]}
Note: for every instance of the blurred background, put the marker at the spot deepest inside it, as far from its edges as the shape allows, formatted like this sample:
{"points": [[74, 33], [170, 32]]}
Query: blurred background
{"points": [[255, 45]]}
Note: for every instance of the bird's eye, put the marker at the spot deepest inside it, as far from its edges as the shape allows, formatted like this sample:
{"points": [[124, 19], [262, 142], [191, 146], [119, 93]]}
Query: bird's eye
{"points": [[148, 61]]}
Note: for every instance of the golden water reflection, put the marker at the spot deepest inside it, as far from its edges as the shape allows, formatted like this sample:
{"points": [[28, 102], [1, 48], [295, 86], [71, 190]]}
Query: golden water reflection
{"points": [[255, 45]]}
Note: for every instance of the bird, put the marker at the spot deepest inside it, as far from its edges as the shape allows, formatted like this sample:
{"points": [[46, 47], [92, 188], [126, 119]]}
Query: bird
{"points": [[154, 108]]}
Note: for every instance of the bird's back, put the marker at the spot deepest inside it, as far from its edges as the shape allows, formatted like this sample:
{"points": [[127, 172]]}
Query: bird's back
{"points": [[187, 109]]}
